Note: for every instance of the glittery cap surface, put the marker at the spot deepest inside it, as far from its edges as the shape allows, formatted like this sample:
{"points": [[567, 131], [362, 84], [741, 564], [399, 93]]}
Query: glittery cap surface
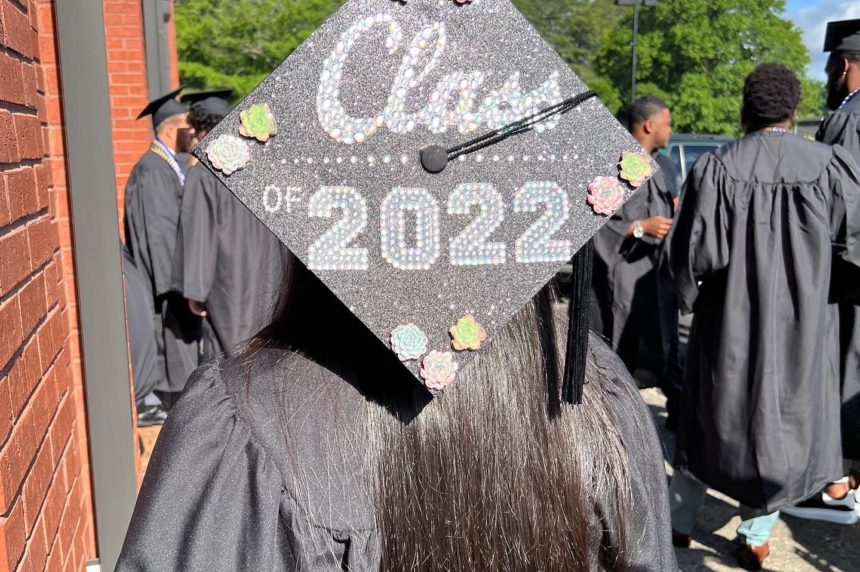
{"points": [[340, 182]]}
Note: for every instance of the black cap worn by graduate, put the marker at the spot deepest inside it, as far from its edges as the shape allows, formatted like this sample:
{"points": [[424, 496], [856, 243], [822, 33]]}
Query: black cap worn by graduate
{"points": [[212, 101], [434, 163], [163, 108], [843, 38]]}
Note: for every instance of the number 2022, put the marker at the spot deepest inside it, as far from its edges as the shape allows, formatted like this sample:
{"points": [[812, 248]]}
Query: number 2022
{"points": [[419, 247]]}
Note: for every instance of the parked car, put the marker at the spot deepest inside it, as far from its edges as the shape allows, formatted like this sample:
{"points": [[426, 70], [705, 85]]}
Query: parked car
{"points": [[807, 128], [684, 150]]}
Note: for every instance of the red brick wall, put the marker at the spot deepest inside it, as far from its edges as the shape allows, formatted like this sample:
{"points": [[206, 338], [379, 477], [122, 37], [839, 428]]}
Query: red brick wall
{"points": [[126, 58], [45, 500]]}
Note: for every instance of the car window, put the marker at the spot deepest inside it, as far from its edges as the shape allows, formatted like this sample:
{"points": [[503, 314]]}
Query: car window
{"points": [[675, 157], [693, 152]]}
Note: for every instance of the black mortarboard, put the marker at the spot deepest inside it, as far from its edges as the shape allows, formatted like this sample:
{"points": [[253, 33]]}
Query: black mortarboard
{"points": [[843, 37], [163, 107], [212, 101], [437, 162]]}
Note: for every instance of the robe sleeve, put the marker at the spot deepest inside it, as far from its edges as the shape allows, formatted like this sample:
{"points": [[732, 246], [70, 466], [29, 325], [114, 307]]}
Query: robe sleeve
{"points": [[210, 499], [646, 512], [150, 221], [698, 243], [843, 175], [197, 249]]}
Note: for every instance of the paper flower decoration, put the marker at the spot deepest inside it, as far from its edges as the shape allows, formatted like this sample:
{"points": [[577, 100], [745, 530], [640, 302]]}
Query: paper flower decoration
{"points": [[258, 122], [438, 370], [228, 154], [408, 342], [635, 167], [467, 333], [605, 195]]}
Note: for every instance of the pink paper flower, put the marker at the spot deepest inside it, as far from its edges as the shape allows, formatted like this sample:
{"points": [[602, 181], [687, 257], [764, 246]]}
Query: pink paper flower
{"points": [[438, 370], [605, 195]]}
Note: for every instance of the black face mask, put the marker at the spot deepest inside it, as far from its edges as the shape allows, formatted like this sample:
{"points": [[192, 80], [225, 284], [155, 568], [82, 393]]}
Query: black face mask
{"points": [[184, 139], [837, 90]]}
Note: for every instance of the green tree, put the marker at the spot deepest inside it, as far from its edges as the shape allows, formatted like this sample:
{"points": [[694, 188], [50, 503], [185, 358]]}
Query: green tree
{"points": [[237, 43], [577, 29], [696, 53]]}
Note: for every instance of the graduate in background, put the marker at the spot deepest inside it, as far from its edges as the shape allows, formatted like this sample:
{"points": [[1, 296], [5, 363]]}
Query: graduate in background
{"points": [[842, 127], [750, 252], [152, 198], [633, 309], [141, 342], [228, 265]]}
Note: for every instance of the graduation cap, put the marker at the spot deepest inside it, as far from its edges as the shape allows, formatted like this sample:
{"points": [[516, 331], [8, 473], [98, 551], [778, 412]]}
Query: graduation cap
{"points": [[434, 163], [212, 101], [163, 108], [843, 37]]}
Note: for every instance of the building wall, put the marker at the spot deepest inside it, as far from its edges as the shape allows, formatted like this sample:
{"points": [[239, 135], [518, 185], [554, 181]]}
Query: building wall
{"points": [[45, 494], [46, 512], [126, 58]]}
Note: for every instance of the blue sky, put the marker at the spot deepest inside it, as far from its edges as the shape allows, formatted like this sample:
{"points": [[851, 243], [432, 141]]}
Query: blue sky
{"points": [[811, 17]]}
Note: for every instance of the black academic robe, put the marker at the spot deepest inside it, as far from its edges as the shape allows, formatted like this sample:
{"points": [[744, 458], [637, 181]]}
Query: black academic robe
{"points": [[227, 258], [750, 253], [842, 127], [141, 330], [632, 308], [226, 490], [152, 198]]}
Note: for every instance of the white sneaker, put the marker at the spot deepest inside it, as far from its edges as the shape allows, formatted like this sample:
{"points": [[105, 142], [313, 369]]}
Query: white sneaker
{"points": [[825, 508]]}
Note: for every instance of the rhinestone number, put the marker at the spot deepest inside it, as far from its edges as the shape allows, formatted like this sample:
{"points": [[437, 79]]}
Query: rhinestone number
{"points": [[330, 251], [536, 244], [470, 247], [394, 229], [410, 230]]}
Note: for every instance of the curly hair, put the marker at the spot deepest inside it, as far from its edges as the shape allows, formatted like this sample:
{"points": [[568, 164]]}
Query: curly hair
{"points": [[202, 120], [771, 95]]}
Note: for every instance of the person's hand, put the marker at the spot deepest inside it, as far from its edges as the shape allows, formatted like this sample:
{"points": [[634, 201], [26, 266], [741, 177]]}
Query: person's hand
{"points": [[197, 308], [657, 226]]}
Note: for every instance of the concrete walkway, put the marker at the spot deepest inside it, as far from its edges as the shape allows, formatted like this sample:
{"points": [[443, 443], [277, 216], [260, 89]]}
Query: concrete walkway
{"points": [[797, 545]]}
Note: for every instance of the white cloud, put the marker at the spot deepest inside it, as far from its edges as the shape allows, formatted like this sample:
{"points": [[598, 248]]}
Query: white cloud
{"points": [[812, 20]]}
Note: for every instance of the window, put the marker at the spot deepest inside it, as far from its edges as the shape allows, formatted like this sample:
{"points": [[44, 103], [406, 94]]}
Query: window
{"points": [[693, 152]]}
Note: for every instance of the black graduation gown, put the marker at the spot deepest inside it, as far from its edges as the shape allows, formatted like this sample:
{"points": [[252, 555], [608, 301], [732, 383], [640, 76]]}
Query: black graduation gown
{"points": [[632, 308], [152, 198], [227, 258], [842, 127], [750, 252], [141, 330], [223, 491]]}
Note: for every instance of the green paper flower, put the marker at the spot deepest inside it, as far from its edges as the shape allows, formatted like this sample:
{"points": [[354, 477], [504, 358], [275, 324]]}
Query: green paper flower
{"points": [[635, 168], [258, 122], [467, 333]]}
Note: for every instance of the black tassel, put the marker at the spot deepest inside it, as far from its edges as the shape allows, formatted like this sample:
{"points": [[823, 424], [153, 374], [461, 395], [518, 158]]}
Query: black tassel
{"points": [[577, 333]]}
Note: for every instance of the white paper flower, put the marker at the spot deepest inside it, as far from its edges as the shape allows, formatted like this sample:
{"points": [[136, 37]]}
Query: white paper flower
{"points": [[228, 153]]}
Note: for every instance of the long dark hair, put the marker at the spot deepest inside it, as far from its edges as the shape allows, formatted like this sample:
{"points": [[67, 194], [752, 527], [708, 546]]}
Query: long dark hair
{"points": [[494, 474]]}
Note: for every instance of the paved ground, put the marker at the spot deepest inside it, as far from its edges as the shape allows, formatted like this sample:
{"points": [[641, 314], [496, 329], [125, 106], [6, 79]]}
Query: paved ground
{"points": [[797, 545]]}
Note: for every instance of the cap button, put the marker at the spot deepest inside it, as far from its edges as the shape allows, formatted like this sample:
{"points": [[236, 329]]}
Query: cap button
{"points": [[434, 159]]}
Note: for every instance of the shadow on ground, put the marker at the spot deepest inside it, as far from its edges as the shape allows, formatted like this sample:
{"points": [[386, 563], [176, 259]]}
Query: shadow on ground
{"points": [[796, 546]]}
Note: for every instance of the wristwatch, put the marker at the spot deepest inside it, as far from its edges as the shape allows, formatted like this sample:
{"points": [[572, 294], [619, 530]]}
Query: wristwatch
{"points": [[638, 231]]}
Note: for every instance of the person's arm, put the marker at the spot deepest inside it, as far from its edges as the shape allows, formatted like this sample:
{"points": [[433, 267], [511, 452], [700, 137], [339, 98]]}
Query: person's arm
{"points": [[698, 243], [211, 497]]}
